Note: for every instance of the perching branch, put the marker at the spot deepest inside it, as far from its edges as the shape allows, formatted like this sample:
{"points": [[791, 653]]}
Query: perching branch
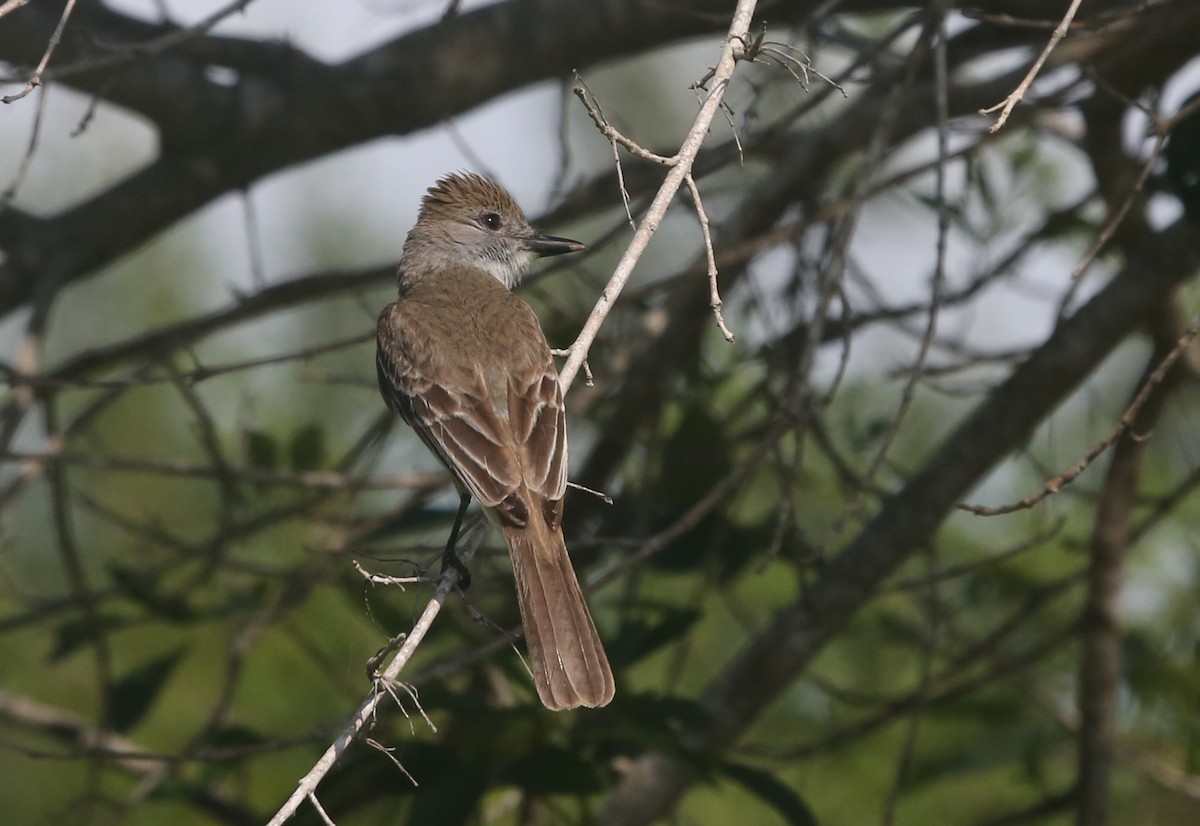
{"points": [[681, 168]]}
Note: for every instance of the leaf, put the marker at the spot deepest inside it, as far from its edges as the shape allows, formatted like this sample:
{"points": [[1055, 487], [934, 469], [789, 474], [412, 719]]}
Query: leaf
{"points": [[551, 770], [773, 792], [143, 588], [450, 796], [406, 526], [261, 450], [642, 636], [132, 695], [234, 736], [73, 634], [654, 721], [307, 448]]}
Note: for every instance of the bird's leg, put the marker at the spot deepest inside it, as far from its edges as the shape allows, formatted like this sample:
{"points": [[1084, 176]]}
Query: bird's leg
{"points": [[449, 557]]}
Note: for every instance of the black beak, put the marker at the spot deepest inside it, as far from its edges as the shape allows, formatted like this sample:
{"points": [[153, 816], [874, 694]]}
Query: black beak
{"points": [[547, 245]]}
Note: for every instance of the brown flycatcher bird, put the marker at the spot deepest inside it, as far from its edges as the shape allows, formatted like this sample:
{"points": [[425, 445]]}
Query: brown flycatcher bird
{"points": [[465, 363]]}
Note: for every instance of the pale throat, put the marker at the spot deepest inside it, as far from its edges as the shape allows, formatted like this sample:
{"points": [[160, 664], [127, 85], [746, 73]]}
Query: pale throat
{"points": [[430, 248], [506, 265]]}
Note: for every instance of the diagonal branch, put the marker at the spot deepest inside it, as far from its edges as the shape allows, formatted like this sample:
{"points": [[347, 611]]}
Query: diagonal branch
{"points": [[739, 32], [908, 519], [217, 139], [306, 788]]}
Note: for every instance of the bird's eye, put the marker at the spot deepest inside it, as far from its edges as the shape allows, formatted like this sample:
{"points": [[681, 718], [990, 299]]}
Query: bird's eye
{"points": [[491, 220]]}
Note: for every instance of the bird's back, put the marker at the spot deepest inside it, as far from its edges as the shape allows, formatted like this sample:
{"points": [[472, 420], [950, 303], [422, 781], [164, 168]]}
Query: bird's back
{"points": [[464, 319]]}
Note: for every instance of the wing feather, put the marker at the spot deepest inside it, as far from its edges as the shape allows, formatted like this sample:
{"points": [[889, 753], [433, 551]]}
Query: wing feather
{"points": [[538, 421], [498, 427], [457, 423]]}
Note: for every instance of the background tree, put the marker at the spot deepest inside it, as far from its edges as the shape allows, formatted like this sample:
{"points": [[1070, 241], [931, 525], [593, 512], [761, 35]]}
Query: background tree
{"points": [[915, 547]]}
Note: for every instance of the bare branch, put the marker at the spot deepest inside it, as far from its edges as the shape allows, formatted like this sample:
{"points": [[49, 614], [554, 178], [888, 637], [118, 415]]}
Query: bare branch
{"points": [[35, 79], [1072, 473], [1009, 103], [681, 168]]}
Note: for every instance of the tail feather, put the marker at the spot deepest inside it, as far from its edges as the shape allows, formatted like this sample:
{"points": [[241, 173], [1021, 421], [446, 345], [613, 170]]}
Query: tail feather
{"points": [[566, 656]]}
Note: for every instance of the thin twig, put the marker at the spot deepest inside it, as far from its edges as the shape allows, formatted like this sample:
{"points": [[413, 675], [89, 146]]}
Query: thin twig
{"points": [[27, 159], [1068, 476], [258, 273], [307, 786], [11, 5], [1009, 103], [132, 52], [615, 138], [312, 798], [681, 168], [939, 271], [35, 462], [35, 80], [1162, 130], [1095, 23], [714, 295]]}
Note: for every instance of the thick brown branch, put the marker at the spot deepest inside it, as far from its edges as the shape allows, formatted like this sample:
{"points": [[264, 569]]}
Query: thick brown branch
{"points": [[216, 138]]}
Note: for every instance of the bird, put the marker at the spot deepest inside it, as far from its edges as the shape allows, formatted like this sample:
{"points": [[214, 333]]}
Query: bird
{"points": [[464, 362]]}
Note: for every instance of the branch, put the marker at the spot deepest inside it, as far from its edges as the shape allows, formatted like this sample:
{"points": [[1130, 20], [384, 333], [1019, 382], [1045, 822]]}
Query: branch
{"points": [[1009, 103], [216, 139], [739, 32], [306, 789], [1100, 658], [908, 519], [35, 80], [1147, 392]]}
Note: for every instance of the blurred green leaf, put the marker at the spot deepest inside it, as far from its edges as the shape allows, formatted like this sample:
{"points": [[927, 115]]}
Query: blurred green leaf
{"points": [[233, 736], [73, 634], [771, 791], [405, 527], [133, 695], [261, 451], [642, 635], [551, 770], [307, 448], [143, 587], [655, 720], [449, 785]]}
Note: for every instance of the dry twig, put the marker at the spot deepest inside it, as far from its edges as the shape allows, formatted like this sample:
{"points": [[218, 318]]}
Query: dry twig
{"points": [[35, 80], [681, 168], [1009, 103], [1072, 473]]}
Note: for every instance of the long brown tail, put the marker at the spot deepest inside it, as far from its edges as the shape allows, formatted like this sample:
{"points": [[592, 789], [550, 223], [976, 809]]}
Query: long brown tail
{"points": [[565, 653]]}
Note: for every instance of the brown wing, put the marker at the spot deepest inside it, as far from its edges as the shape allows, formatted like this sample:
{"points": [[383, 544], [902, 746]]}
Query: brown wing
{"points": [[539, 427], [454, 414]]}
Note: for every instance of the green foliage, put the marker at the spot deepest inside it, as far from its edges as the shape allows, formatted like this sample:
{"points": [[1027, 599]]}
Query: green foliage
{"points": [[307, 448], [771, 790], [133, 694], [262, 452]]}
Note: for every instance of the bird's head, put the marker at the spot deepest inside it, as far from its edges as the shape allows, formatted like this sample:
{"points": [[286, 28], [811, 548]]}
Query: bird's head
{"points": [[469, 220]]}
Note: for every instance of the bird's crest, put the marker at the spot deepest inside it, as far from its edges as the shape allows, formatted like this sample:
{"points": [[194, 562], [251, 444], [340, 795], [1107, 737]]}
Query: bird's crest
{"points": [[459, 190]]}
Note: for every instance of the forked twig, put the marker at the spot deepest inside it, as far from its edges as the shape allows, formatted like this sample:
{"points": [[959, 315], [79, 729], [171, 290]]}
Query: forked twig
{"points": [[35, 80], [680, 169], [1009, 103], [1069, 475]]}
